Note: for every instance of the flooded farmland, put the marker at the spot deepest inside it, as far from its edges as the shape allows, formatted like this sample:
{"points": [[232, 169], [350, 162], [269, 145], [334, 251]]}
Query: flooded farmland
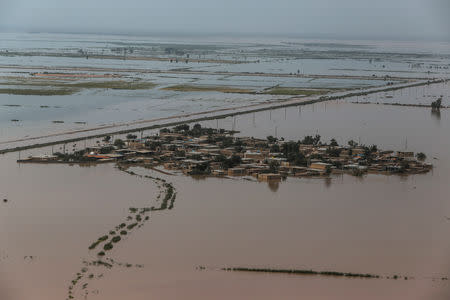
{"points": [[387, 225]]}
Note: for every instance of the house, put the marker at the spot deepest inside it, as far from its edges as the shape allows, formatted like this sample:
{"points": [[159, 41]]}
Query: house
{"points": [[269, 177], [254, 155], [133, 144], [405, 155], [358, 151], [319, 166], [218, 172], [236, 172]]}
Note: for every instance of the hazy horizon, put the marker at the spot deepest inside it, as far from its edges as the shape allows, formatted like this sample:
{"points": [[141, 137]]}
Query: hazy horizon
{"points": [[348, 19]]}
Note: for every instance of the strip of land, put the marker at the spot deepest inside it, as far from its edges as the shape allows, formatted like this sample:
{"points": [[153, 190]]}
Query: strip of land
{"points": [[187, 71], [397, 104], [308, 272], [174, 59], [28, 86]]}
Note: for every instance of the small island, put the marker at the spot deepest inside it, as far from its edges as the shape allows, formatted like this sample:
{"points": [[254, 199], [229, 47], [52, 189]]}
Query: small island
{"points": [[200, 151]]}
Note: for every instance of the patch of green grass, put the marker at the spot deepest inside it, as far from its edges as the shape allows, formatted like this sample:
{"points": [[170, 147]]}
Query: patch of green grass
{"points": [[198, 88], [58, 88], [40, 92], [291, 91], [114, 84]]}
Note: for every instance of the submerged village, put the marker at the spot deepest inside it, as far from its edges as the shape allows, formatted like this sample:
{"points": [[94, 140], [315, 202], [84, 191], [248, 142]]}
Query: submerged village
{"points": [[200, 151]]}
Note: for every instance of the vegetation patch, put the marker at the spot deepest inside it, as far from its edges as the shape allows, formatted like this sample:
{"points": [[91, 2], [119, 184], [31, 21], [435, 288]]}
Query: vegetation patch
{"points": [[114, 84], [108, 247], [291, 91], [302, 272], [61, 88], [116, 239], [39, 92], [205, 88]]}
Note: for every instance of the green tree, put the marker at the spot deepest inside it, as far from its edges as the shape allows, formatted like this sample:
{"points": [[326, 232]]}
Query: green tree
{"points": [[436, 105], [275, 148], [182, 127], [334, 143], [119, 143], [352, 143], [271, 139], [317, 139], [273, 166], [308, 140], [421, 156]]}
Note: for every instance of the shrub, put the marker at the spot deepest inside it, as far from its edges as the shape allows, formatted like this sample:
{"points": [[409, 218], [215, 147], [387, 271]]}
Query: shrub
{"points": [[108, 247], [116, 239]]}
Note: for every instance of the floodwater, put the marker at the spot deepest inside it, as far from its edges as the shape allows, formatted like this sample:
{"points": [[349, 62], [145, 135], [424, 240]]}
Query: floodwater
{"points": [[383, 225]]}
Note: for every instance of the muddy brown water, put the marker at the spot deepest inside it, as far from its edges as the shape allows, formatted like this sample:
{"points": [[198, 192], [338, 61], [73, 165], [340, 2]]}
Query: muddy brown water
{"points": [[376, 224]]}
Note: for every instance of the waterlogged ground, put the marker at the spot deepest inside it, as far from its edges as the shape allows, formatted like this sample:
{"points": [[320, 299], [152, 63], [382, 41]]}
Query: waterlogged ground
{"points": [[251, 65]]}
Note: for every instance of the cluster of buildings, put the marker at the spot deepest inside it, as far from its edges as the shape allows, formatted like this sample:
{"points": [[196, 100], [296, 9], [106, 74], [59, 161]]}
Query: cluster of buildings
{"points": [[220, 153]]}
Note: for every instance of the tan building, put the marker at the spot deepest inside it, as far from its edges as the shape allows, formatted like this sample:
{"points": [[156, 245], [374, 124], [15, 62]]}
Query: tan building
{"points": [[236, 172], [319, 166], [136, 145], [356, 151], [254, 155], [403, 154], [269, 177]]}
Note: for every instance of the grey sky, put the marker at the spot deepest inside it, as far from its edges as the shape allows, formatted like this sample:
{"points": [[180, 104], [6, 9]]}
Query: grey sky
{"points": [[407, 19]]}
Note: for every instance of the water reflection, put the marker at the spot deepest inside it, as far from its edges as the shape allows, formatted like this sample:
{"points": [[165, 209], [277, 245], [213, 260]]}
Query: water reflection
{"points": [[328, 182], [436, 114], [273, 185]]}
